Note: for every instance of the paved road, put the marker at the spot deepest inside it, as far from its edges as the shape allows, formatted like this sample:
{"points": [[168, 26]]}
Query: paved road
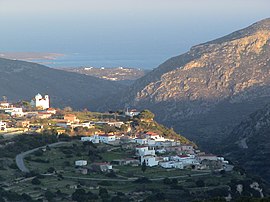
{"points": [[20, 157]]}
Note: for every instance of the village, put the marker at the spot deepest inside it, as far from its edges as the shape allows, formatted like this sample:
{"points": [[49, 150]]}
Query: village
{"points": [[149, 148]]}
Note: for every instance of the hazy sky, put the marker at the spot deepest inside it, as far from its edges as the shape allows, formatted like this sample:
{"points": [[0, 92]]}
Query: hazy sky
{"points": [[135, 29]]}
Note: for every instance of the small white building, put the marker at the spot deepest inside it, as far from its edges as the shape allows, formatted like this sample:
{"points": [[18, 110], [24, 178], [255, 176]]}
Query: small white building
{"points": [[81, 163], [3, 126], [15, 111], [132, 113], [144, 150], [103, 167], [150, 160], [4, 104], [51, 110], [106, 138], [141, 141], [84, 125], [180, 157], [94, 139], [161, 151], [116, 124], [185, 159], [172, 164], [154, 136], [209, 157], [40, 102], [88, 124]]}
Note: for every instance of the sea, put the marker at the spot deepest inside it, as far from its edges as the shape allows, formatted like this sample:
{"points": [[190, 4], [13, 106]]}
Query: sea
{"points": [[76, 60]]}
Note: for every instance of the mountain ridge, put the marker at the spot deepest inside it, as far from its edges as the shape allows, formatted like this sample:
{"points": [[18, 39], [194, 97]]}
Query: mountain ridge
{"points": [[186, 89], [23, 80]]}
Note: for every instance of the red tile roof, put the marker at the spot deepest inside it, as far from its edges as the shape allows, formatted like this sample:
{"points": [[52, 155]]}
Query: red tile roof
{"points": [[152, 133]]}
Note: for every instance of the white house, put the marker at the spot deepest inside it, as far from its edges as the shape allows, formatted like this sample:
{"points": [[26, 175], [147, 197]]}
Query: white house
{"points": [[154, 136], [210, 157], [40, 102], [166, 164], [4, 104], [15, 111], [88, 124], [180, 157], [3, 126], [144, 150], [161, 151], [81, 163], [185, 159], [116, 124], [103, 167], [172, 164], [94, 139], [178, 165], [106, 138], [51, 110], [141, 141], [132, 113], [150, 160]]}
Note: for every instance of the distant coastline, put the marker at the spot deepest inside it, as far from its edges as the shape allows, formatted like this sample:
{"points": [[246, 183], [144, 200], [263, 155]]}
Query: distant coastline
{"points": [[84, 59], [30, 56]]}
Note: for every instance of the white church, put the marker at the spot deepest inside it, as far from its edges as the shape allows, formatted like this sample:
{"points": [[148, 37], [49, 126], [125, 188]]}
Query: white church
{"points": [[39, 102]]}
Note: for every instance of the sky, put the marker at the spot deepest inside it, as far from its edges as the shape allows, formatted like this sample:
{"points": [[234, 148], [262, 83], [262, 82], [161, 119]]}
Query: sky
{"points": [[139, 33]]}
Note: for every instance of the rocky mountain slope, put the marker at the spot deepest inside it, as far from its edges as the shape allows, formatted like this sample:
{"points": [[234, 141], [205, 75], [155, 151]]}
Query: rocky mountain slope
{"points": [[249, 143], [208, 90], [23, 80]]}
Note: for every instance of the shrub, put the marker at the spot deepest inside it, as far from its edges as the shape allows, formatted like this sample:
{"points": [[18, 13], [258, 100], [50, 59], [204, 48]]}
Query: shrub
{"points": [[49, 195], [51, 170], [36, 181], [200, 183], [142, 180], [103, 193], [167, 181]]}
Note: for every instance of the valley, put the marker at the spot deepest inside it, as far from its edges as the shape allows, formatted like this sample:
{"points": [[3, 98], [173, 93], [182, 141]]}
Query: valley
{"points": [[68, 155], [216, 95]]}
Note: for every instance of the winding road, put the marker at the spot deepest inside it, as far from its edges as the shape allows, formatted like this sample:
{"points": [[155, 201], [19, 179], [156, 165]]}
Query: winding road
{"points": [[20, 157]]}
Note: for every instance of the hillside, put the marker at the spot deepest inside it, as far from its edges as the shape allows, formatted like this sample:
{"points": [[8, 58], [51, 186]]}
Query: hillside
{"points": [[210, 89], [249, 143], [23, 80], [119, 74], [63, 181]]}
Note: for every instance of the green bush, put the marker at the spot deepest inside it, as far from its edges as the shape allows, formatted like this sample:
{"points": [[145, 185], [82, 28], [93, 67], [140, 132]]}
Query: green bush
{"points": [[36, 181]]}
